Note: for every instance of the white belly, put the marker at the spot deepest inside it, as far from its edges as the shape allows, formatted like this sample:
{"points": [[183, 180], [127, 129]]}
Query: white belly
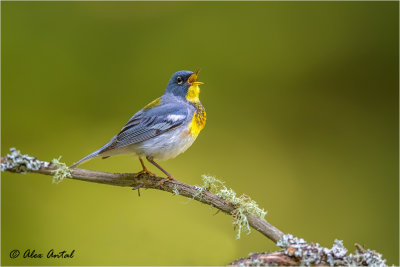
{"points": [[162, 147]]}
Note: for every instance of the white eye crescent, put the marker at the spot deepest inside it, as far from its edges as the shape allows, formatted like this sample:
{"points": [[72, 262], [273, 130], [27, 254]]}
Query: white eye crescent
{"points": [[179, 80]]}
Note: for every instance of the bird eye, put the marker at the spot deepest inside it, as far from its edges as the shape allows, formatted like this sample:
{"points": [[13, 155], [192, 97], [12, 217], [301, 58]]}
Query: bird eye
{"points": [[179, 80]]}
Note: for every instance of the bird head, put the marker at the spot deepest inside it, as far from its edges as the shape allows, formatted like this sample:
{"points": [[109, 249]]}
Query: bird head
{"points": [[184, 84]]}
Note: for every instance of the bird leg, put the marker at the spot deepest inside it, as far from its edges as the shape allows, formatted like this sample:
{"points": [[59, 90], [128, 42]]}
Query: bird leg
{"points": [[169, 176], [145, 170]]}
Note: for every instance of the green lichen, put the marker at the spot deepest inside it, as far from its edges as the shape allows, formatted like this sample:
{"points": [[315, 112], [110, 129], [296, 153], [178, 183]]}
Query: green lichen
{"points": [[211, 183], [175, 190], [240, 221], [198, 194], [243, 204], [226, 193], [61, 172]]}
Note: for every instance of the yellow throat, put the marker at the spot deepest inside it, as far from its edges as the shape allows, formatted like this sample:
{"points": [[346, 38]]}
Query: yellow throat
{"points": [[193, 93]]}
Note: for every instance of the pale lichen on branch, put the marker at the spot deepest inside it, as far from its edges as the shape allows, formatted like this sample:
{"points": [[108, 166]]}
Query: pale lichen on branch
{"points": [[17, 162], [314, 254], [213, 192], [244, 205], [296, 251], [245, 212], [22, 163], [61, 172], [175, 190]]}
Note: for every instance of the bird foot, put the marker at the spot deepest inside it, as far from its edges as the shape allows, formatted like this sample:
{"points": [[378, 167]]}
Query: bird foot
{"points": [[144, 171]]}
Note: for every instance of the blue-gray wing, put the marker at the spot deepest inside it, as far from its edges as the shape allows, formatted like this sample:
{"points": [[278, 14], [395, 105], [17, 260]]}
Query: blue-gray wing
{"points": [[150, 123]]}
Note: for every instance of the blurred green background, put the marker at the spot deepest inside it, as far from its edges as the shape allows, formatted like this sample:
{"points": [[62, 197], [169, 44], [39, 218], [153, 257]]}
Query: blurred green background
{"points": [[302, 105]]}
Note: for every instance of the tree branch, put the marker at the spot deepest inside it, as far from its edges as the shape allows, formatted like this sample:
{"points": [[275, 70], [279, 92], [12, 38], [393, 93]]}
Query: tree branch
{"points": [[278, 258], [296, 251], [152, 182]]}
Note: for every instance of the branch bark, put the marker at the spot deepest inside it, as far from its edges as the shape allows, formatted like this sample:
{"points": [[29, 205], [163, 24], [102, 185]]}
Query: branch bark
{"points": [[278, 258], [296, 251], [142, 180]]}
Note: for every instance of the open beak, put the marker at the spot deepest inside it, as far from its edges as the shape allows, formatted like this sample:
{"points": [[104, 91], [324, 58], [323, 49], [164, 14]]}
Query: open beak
{"points": [[193, 78]]}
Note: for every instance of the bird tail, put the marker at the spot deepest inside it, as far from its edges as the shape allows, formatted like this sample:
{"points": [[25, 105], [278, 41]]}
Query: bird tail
{"points": [[95, 154], [87, 158]]}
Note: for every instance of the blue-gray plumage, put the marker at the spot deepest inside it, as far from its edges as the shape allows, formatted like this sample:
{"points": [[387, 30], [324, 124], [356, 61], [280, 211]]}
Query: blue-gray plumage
{"points": [[164, 128]]}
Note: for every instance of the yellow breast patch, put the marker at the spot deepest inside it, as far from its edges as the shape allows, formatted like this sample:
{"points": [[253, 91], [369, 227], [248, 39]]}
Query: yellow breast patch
{"points": [[198, 121]]}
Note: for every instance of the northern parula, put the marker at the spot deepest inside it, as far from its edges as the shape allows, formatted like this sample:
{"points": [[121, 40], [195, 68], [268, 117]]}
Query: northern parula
{"points": [[164, 128]]}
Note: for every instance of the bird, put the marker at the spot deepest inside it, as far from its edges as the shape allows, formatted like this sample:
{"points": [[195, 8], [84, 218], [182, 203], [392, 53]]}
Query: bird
{"points": [[164, 128]]}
